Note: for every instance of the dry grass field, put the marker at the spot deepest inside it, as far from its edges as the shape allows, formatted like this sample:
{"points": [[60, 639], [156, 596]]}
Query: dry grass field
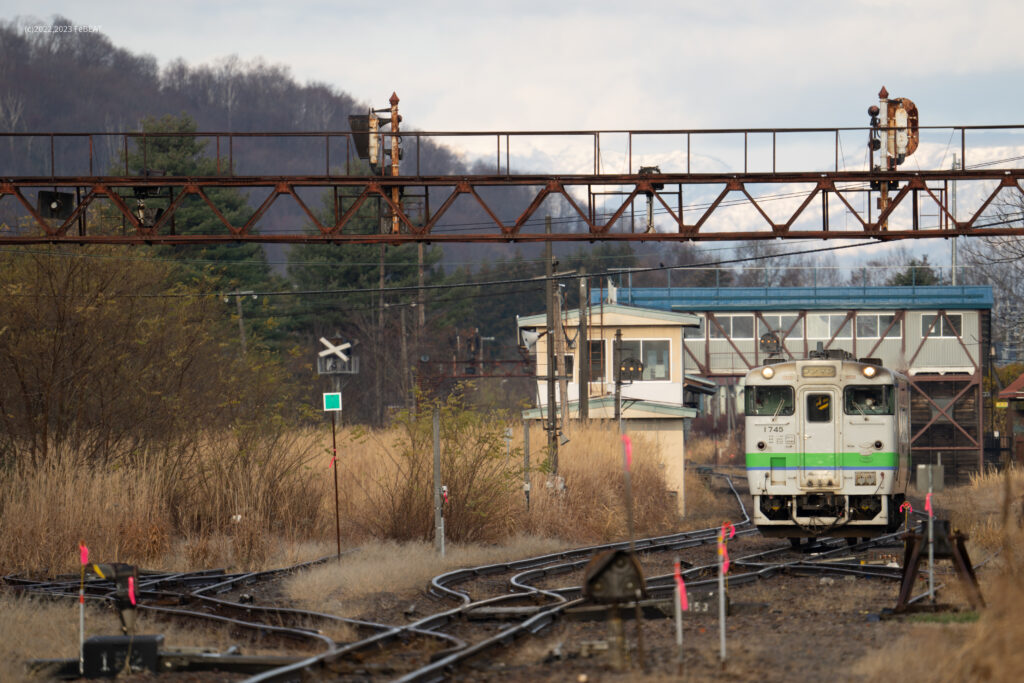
{"points": [[990, 510], [246, 512], [240, 509]]}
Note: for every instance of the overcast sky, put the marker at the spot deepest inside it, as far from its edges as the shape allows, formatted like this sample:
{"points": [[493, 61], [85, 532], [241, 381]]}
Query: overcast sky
{"points": [[526, 64]]}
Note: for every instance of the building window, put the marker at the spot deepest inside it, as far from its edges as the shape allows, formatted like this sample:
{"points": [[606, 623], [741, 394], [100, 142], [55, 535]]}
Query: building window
{"points": [[596, 360], [828, 326], [570, 365], [950, 325], [653, 353], [655, 359], [873, 325], [732, 327], [743, 327], [781, 324]]}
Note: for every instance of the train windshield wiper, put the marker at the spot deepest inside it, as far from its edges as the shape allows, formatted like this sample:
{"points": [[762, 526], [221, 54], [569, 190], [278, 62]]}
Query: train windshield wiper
{"points": [[778, 408]]}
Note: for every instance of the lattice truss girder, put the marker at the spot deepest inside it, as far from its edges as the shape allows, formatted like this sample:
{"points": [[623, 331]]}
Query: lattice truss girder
{"points": [[917, 192]]}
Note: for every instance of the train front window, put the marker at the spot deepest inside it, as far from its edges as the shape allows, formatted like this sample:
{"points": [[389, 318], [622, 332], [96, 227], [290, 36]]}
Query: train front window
{"points": [[769, 401], [868, 400]]}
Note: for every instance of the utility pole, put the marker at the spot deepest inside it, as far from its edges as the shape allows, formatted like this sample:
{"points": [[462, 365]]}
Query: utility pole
{"points": [[682, 418], [549, 290], [617, 369], [956, 166], [407, 367], [421, 300], [583, 344], [381, 356], [560, 349], [438, 510]]}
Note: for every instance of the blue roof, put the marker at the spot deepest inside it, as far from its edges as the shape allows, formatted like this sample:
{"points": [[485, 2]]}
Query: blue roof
{"points": [[963, 297]]}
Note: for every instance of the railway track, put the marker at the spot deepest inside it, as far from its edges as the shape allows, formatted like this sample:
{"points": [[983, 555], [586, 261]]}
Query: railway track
{"points": [[489, 607]]}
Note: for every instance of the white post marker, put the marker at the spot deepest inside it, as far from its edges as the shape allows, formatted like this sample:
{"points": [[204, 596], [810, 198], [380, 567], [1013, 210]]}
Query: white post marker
{"points": [[931, 541], [723, 568], [332, 405]]}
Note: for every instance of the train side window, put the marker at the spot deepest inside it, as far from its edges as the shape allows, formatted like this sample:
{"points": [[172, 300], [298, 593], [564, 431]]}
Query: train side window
{"points": [[771, 401], [819, 407]]}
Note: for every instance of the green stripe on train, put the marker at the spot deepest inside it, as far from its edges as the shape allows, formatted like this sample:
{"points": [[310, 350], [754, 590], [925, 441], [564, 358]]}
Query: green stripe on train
{"points": [[823, 460]]}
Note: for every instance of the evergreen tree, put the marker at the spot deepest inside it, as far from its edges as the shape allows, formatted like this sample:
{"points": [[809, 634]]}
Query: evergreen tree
{"points": [[214, 267], [918, 273]]}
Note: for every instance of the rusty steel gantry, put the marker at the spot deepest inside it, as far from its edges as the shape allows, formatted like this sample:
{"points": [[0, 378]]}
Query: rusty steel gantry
{"points": [[737, 184]]}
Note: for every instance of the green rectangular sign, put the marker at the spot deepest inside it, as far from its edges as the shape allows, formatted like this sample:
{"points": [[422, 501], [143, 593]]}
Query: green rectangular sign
{"points": [[332, 401]]}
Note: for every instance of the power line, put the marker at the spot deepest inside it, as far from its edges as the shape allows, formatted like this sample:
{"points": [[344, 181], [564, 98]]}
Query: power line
{"points": [[493, 283]]}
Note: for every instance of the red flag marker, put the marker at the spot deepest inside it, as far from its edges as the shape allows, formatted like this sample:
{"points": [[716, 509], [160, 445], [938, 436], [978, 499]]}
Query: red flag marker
{"points": [[83, 552], [131, 589], [928, 504], [722, 550], [683, 602], [629, 451], [906, 507]]}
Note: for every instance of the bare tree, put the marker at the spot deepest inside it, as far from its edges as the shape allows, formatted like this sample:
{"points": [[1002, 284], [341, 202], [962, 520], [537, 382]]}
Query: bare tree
{"points": [[769, 265], [997, 261], [228, 76]]}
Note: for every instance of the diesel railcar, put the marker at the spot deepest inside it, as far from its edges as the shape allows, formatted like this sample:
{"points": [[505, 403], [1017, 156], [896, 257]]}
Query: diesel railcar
{"points": [[827, 446]]}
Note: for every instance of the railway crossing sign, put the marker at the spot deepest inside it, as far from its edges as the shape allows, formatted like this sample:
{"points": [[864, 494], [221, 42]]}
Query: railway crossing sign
{"points": [[335, 349], [332, 402], [336, 358]]}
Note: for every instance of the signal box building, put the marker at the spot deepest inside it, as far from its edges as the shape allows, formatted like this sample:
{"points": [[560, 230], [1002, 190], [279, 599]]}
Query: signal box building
{"points": [[652, 402]]}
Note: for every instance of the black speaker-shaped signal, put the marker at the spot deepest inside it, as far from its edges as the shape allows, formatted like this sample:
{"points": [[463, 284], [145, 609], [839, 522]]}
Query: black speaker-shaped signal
{"points": [[58, 205]]}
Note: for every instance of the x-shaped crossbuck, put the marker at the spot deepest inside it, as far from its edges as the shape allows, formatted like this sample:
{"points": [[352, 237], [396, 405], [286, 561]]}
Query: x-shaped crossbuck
{"points": [[338, 350]]}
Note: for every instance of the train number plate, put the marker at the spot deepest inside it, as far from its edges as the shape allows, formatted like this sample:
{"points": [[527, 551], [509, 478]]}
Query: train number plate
{"points": [[818, 371]]}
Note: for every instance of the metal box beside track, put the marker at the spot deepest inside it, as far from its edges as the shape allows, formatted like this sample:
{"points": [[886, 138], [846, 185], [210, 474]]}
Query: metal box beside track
{"points": [[104, 656], [614, 576]]}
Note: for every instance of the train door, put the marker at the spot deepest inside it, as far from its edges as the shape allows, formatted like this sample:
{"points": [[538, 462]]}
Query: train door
{"points": [[819, 408]]}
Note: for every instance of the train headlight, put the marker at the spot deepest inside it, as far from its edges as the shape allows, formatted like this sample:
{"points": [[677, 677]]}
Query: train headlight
{"points": [[768, 372], [870, 371]]}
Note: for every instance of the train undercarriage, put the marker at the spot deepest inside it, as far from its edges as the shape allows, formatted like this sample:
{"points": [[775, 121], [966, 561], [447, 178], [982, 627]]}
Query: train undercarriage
{"points": [[825, 513]]}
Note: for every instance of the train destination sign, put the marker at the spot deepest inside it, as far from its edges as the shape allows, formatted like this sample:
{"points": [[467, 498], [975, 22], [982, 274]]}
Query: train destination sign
{"points": [[818, 371]]}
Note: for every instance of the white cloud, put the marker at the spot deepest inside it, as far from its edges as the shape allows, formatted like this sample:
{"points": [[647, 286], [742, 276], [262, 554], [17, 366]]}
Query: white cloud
{"points": [[600, 65]]}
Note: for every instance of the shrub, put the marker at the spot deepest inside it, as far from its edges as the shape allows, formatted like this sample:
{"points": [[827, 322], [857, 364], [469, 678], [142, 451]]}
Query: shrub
{"points": [[397, 488]]}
